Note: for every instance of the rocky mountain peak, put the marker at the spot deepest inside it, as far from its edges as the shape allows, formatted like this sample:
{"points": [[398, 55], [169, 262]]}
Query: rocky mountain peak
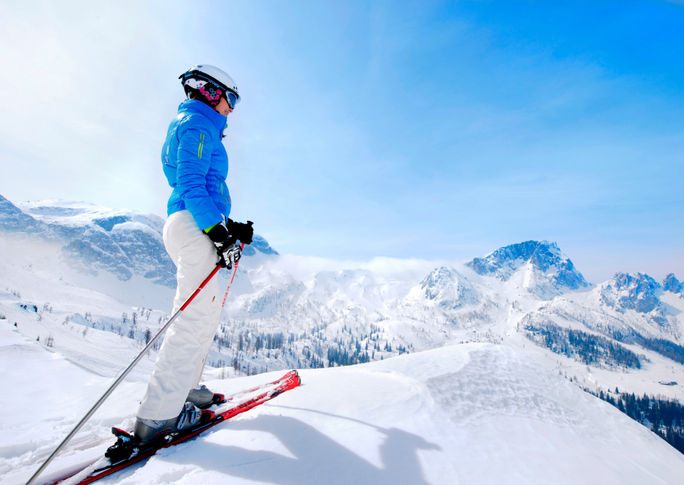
{"points": [[544, 256], [631, 291], [447, 287], [671, 283]]}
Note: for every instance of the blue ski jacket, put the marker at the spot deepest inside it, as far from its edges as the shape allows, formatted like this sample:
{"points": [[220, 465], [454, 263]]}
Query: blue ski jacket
{"points": [[195, 163]]}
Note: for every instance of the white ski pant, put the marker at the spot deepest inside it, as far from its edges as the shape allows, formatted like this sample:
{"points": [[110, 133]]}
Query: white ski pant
{"points": [[187, 342]]}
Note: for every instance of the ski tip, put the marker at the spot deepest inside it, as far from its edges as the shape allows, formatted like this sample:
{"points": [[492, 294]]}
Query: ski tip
{"points": [[294, 375]]}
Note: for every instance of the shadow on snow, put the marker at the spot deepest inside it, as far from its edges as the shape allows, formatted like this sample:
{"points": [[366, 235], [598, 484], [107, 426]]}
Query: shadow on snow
{"points": [[317, 458]]}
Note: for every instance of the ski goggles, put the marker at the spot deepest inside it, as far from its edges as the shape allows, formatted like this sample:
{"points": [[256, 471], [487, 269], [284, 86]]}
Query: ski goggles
{"points": [[232, 99]]}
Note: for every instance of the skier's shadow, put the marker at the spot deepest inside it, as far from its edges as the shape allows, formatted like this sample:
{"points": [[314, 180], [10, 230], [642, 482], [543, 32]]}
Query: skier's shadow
{"points": [[317, 458]]}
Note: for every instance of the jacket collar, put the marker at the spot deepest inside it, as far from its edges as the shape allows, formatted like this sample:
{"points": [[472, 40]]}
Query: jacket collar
{"points": [[196, 106]]}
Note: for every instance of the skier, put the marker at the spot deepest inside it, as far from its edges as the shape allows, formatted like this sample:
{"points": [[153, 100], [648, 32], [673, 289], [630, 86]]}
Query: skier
{"points": [[197, 235]]}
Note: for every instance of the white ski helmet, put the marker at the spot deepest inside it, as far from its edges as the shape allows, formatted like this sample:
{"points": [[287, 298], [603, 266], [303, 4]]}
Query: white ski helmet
{"points": [[212, 83]]}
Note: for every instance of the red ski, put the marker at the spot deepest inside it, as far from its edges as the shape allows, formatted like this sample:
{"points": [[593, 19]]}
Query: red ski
{"points": [[234, 405]]}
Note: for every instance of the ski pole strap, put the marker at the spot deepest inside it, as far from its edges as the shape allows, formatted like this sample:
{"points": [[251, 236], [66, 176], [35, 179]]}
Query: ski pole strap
{"points": [[232, 277]]}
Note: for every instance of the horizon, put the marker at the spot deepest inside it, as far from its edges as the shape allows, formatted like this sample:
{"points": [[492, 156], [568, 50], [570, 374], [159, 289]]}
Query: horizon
{"points": [[380, 264], [436, 131]]}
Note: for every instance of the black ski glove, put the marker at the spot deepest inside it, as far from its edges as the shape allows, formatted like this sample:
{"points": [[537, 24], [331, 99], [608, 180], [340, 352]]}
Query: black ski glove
{"points": [[230, 255], [225, 240], [241, 230], [226, 245]]}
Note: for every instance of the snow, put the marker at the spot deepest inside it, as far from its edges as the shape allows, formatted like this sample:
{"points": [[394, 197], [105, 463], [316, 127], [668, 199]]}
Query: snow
{"points": [[470, 414], [381, 304], [69, 213], [40, 271], [131, 227]]}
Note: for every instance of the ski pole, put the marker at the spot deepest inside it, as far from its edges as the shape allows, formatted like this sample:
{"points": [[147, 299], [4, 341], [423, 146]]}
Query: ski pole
{"points": [[223, 304], [128, 369]]}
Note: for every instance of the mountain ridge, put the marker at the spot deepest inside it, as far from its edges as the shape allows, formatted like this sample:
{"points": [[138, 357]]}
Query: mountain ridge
{"points": [[93, 238]]}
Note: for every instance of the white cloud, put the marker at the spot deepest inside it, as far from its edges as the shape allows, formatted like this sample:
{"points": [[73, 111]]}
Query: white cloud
{"points": [[81, 100]]}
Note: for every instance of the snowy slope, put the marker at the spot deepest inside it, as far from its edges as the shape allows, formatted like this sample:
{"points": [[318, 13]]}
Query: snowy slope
{"points": [[464, 414]]}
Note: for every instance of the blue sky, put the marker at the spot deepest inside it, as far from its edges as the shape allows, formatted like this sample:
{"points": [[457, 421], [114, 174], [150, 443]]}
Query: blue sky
{"points": [[436, 130]]}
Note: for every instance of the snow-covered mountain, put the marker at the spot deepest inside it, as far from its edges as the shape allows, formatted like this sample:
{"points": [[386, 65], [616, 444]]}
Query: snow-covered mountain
{"points": [[77, 276], [546, 271], [619, 323], [447, 288], [631, 292], [91, 244], [355, 315], [92, 239], [287, 311], [672, 284]]}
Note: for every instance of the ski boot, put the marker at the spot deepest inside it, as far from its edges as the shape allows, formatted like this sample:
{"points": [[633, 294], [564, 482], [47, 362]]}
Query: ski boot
{"points": [[203, 398], [150, 433]]}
